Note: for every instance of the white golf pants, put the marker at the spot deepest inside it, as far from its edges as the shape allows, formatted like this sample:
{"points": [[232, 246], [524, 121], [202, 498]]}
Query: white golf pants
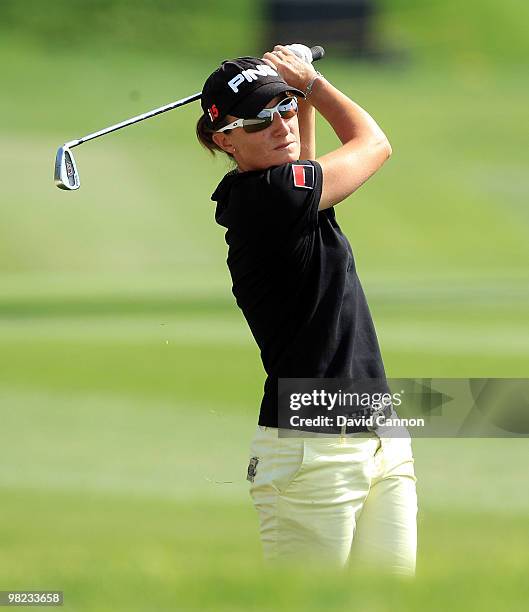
{"points": [[347, 500]]}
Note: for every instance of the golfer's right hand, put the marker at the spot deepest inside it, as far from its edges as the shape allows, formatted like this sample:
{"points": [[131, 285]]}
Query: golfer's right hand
{"points": [[294, 70]]}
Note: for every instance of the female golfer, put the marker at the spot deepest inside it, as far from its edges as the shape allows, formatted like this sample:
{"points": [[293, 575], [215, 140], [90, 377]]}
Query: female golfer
{"points": [[347, 499]]}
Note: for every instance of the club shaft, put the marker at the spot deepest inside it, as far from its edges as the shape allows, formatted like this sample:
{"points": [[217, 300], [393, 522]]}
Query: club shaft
{"points": [[136, 119]]}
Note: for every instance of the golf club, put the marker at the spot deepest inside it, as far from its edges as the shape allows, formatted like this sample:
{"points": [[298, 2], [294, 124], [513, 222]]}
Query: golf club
{"points": [[66, 174]]}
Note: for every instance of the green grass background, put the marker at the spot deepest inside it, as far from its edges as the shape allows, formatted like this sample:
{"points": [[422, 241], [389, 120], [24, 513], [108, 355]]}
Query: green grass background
{"points": [[129, 382]]}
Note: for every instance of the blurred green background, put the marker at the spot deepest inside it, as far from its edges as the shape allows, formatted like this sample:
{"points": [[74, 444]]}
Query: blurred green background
{"points": [[129, 382]]}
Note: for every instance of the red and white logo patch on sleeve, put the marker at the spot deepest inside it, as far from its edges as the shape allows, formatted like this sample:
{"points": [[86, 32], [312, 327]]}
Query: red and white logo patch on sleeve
{"points": [[303, 176]]}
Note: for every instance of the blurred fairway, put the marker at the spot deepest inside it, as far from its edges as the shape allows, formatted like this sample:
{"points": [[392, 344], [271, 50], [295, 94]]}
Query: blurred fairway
{"points": [[130, 384]]}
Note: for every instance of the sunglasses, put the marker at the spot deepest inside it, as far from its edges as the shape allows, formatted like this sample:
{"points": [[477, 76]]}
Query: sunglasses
{"points": [[287, 108]]}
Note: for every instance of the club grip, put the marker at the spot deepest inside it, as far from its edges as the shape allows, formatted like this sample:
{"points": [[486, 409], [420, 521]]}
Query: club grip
{"points": [[317, 53]]}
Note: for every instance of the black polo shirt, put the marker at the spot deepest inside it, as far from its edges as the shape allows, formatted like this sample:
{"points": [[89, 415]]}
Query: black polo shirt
{"points": [[294, 278]]}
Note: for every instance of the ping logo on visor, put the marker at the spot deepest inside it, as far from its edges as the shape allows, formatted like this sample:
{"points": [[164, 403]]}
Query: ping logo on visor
{"points": [[303, 176], [251, 74]]}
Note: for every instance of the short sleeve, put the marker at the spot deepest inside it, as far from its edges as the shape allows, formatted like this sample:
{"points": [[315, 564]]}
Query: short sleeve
{"points": [[295, 192]]}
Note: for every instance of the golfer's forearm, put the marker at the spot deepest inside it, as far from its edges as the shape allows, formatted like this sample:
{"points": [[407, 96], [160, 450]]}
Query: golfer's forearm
{"points": [[307, 130], [349, 120]]}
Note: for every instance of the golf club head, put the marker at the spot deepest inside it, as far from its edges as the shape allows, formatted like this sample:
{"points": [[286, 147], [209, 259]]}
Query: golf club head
{"points": [[66, 175]]}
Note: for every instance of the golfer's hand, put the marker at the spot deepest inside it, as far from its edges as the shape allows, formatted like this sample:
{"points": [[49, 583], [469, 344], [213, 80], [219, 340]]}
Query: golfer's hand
{"points": [[294, 70]]}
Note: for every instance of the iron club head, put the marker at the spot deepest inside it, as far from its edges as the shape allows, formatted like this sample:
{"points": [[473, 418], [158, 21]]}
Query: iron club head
{"points": [[66, 175]]}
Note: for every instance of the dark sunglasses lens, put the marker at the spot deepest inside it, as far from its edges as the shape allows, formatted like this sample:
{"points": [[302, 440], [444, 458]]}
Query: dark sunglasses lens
{"points": [[288, 114], [257, 127], [250, 126]]}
